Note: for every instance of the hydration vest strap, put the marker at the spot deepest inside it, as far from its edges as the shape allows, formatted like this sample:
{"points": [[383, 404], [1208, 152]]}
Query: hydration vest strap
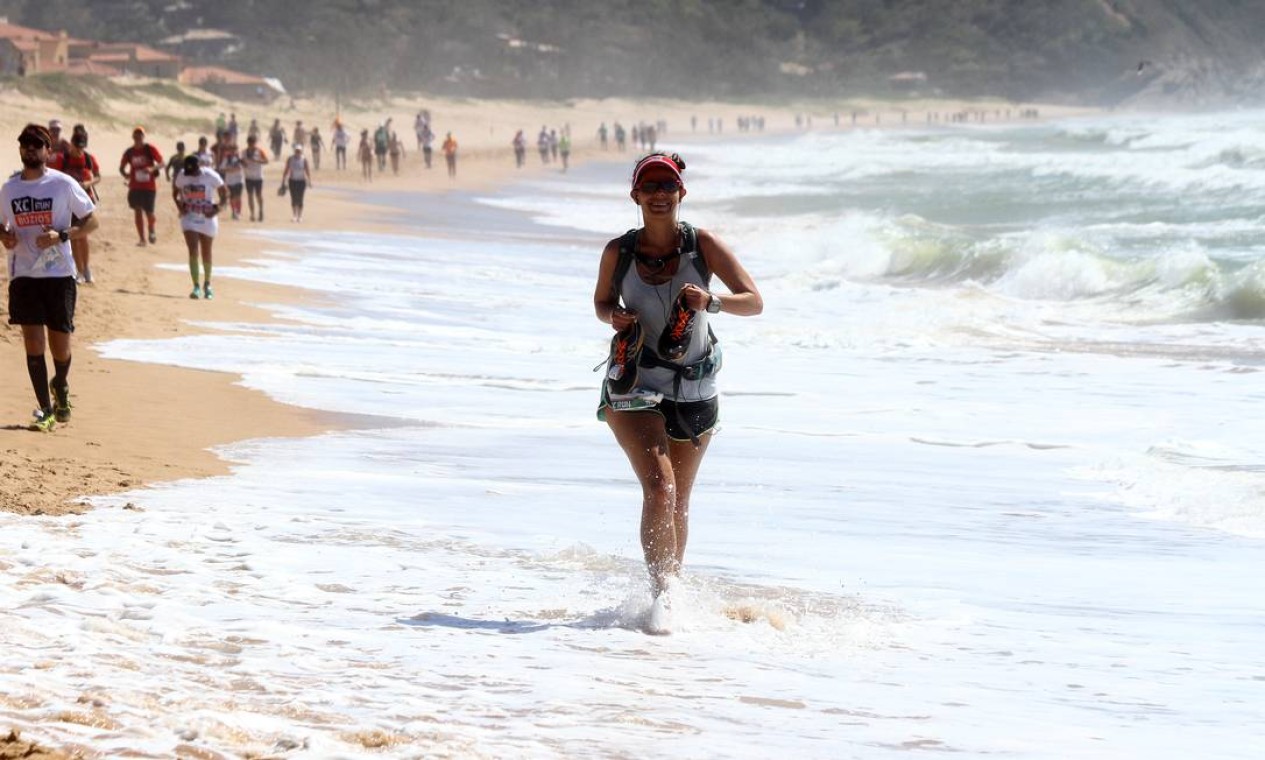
{"points": [[628, 251]]}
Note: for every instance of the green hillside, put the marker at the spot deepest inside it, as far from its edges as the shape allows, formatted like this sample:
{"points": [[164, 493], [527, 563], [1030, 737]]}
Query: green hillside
{"points": [[1089, 51]]}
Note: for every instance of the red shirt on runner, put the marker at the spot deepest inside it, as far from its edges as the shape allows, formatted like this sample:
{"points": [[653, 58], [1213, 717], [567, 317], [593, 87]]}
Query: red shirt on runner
{"points": [[146, 163], [82, 168]]}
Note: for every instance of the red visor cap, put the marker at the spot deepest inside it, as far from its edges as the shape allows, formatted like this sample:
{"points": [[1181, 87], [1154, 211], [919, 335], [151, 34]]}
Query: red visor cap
{"points": [[655, 162]]}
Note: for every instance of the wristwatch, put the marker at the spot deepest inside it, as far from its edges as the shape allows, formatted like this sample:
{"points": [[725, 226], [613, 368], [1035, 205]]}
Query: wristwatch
{"points": [[64, 235], [713, 303]]}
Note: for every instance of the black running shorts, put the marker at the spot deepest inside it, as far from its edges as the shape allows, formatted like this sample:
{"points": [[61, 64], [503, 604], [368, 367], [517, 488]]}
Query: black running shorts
{"points": [[142, 199], [255, 186], [702, 416], [297, 188], [48, 301]]}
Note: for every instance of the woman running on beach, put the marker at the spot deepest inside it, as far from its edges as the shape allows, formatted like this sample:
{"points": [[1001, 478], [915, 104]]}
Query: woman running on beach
{"points": [[297, 178], [199, 193], [660, 397]]}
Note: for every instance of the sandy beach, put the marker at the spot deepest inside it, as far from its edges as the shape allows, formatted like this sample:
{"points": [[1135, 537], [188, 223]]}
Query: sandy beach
{"points": [[137, 423]]}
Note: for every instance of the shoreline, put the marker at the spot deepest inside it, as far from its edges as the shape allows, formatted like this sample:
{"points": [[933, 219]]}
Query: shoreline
{"points": [[139, 424], [148, 423]]}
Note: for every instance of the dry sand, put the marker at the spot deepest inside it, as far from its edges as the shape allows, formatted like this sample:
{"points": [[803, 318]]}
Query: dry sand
{"points": [[138, 424]]}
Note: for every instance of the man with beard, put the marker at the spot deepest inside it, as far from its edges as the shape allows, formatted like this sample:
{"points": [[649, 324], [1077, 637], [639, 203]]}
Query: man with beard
{"points": [[36, 209]]}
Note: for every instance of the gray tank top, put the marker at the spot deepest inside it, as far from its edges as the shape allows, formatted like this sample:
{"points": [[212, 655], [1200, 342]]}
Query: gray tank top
{"points": [[653, 304]]}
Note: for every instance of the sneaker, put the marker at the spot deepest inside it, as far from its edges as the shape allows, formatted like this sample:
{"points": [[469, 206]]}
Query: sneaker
{"points": [[43, 421], [207, 290], [621, 368], [196, 294], [676, 337], [153, 237], [87, 276], [61, 402]]}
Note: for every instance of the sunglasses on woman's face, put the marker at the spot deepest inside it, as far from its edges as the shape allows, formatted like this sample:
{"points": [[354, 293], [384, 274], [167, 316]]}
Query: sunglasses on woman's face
{"points": [[30, 143], [667, 186]]}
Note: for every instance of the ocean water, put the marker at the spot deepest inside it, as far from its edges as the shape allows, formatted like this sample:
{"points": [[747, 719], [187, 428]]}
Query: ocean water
{"points": [[989, 481]]}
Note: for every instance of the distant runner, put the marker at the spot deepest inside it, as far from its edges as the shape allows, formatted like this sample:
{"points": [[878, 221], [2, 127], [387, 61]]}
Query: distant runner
{"points": [[365, 153], [254, 160], [298, 178], [341, 141], [198, 193], [450, 155], [81, 166], [176, 163], [233, 171], [140, 165]]}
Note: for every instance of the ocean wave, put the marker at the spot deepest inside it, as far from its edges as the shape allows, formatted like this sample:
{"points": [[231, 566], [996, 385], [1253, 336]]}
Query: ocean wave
{"points": [[1197, 483], [1134, 273]]}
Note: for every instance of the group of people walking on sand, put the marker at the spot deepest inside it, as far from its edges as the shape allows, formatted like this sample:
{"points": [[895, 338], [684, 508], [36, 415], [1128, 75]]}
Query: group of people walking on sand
{"points": [[203, 183], [48, 213]]}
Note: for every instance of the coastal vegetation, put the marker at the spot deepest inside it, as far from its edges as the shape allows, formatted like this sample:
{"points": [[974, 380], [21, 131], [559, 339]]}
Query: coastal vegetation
{"points": [[1090, 51]]}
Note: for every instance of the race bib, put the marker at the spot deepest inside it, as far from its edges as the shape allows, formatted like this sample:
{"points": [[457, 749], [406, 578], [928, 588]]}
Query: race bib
{"points": [[50, 258], [141, 175]]}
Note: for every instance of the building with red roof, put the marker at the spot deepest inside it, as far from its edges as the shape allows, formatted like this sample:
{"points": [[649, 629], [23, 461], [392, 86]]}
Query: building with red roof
{"points": [[232, 85]]}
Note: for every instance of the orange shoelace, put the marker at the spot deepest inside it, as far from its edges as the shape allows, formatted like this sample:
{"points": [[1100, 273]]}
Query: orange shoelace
{"points": [[681, 323]]}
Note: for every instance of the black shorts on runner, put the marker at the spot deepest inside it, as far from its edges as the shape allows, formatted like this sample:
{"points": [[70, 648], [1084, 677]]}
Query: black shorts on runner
{"points": [[297, 188], [255, 186], [702, 416], [142, 199], [234, 191], [48, 301]]}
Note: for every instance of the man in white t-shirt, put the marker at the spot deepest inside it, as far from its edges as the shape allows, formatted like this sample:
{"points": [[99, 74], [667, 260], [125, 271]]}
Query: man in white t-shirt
{"points": [[41, 212], [199, 193]]}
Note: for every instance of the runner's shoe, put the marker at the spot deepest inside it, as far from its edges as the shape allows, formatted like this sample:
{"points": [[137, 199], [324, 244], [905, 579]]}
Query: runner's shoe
{"points": [[621, 368], [42, 421], [61, 402], [209, 294], [153, 237], [676, 337], [196, 294]]}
